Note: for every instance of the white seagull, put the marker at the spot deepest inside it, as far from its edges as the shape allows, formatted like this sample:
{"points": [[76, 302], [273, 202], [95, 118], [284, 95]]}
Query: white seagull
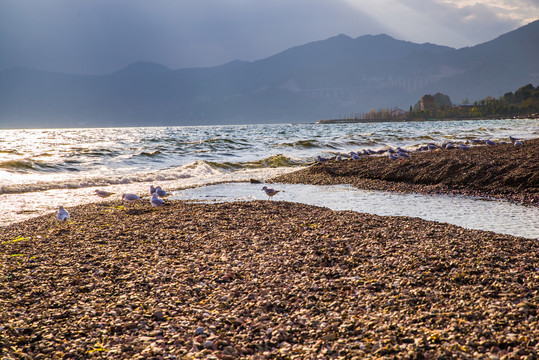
{"points": [[403, 154], [269, 191], [354, 155], [130, 198], [160, 192], [62, 214], [321, 159], [103, 193], [156, 202], [152, 190]]}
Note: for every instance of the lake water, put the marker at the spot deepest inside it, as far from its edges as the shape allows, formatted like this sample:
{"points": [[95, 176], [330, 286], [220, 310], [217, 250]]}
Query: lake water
{"points": [[40, 169], [472, 213]]}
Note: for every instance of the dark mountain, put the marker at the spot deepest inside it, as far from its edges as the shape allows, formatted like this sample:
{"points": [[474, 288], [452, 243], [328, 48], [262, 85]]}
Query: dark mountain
{"points": [[329, 78], [494, 67], [143, 67]]}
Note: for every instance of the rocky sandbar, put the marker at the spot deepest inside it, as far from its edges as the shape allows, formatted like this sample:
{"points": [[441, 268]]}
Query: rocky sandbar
{"points": [[502, 171]]}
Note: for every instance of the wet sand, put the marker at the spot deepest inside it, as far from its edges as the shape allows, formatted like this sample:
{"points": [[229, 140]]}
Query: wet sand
{"points": [[501, 171], [263, 279]]}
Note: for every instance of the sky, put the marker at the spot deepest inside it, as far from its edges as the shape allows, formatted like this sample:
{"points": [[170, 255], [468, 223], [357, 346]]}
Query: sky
{"points": [[103, 36]]}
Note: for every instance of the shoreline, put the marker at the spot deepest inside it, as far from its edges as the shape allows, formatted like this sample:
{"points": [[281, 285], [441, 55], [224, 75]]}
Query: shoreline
{"points": [[262, 279], [393, 120], [501, 171]]}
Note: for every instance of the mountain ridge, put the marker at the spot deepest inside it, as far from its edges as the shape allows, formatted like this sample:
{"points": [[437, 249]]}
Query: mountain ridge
{"points": [[325, 78]]}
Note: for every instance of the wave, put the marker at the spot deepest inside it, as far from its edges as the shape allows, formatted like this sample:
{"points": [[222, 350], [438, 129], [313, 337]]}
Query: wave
{"points": [[222, 140], [272, 162], [149, 154], [214, 142], [199, 169], [10, 152], [304, 144], [27, 165], [102, 152], [426, 137]]}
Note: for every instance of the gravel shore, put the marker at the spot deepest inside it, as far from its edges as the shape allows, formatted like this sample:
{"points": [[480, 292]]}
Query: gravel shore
{"points": [[262, 280], [501, 171]]}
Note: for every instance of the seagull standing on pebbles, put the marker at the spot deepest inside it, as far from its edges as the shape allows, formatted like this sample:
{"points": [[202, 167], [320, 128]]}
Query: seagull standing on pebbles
{"points": [[403, 154], [156, 202], [321, 159], [354, 155], [130, 198], [103, 193], [62, 214], [270, 191], [160, 192], [152, 190]]}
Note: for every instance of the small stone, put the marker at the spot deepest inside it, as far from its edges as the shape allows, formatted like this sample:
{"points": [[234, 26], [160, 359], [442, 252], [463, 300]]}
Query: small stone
{"points": [[158, 315], [199, 339], [229, 350]]}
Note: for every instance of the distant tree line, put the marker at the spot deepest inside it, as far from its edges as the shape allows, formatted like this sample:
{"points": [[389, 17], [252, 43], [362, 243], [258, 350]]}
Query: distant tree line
{"points": [[378, 115], [523, 102]]}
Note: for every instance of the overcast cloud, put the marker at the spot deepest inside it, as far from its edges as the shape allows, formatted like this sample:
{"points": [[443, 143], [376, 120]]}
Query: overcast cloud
{"points": [[100, 36]]}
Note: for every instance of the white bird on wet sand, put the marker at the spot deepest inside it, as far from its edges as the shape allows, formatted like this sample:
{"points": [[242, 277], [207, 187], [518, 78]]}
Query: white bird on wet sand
{"points": [[401, 150], [103, 193], [403, 154], [160, 192], [321, 159], [130, 198], [354, 155], [62, 214], [270, 191], [152, 190], [156, 201]]}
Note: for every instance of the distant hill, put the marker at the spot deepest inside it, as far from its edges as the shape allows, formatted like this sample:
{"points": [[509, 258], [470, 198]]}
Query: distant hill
{"points": [[322, 79]]}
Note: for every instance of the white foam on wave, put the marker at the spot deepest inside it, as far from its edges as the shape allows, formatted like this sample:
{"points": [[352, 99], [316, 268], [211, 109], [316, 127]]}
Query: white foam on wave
{"points": [[13, 183]]}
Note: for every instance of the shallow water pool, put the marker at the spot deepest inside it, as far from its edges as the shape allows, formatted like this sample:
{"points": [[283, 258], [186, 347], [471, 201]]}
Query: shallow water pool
{"points": [[471, 213]]}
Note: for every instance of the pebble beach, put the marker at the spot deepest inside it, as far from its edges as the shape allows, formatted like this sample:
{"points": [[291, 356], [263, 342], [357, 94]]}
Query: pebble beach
{"points": [[278, 280]]}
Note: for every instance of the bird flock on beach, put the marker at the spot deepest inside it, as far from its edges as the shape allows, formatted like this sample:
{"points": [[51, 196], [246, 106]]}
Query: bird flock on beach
{"points": [[157, 199], [158, 194], [401, 153]]}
